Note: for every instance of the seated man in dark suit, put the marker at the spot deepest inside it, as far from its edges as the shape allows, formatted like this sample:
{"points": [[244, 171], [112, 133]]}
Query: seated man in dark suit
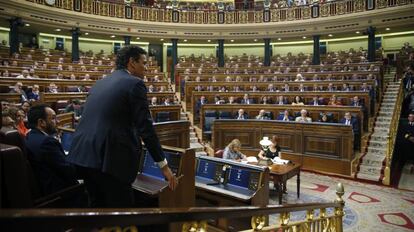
{"points": [[356, 101], [285, 116], [246, 99], [348, 119], [241, 115], [45, 152], [281, 100], [315, 101]]}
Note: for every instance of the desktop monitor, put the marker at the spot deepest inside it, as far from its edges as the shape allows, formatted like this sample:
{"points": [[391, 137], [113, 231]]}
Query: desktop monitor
{"points": [[239, 177], [206, 169]]}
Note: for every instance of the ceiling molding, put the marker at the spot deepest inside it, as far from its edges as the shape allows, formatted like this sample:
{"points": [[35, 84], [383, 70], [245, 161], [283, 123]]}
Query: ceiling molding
{"points": [[54, 17]]}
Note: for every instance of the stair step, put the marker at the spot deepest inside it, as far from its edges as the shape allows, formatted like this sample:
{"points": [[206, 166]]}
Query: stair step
{"points": [[197, 146], [379, 137], [384, 119], [200, 153], [370, 170], [193, 140], [367, 177], [376, 151], [377, 144], [372, 162], [385, 114], [193, 134]]}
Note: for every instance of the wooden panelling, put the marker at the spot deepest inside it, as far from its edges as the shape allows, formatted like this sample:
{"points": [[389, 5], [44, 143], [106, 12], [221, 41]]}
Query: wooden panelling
{"points": [[319, 147], [174, 133]]}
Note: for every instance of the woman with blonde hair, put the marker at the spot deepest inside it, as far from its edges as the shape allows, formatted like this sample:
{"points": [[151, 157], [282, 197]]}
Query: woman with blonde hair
{"points": [[232, 151]]}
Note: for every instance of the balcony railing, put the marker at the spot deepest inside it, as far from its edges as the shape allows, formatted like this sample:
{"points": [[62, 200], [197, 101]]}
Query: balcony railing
{"points": [[319, 217], [117, 10]]}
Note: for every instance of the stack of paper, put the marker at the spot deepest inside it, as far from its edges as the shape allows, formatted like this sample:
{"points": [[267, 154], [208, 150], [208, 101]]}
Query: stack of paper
{"points": [[278, 160]]}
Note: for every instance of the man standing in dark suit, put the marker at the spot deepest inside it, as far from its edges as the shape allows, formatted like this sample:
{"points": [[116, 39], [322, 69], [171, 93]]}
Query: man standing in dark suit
{"points": [[107, 143], [349, 120], [407, 129], [45, 152]]}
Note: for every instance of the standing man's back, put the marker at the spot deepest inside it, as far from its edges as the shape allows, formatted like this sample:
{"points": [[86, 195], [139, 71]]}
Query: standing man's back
{"points": [[107, 143]]}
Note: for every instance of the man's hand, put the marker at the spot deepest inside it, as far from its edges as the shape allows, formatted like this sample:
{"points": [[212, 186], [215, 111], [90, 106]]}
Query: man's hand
{"points": [[171, 178]]}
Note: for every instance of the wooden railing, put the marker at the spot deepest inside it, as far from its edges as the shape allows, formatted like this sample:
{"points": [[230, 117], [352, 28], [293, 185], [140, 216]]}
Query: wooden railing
{"points": [[116, 10], [195, 218], [393, 135]]}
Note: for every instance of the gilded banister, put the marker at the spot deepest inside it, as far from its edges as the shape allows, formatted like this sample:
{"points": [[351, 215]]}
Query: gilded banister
{"points": [[321, 223], [195, 219], [117, 10], [392, 135]]}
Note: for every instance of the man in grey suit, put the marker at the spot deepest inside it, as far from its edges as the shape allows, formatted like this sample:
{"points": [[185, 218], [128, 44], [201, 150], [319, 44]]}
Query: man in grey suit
{"points": [[107, 143]]}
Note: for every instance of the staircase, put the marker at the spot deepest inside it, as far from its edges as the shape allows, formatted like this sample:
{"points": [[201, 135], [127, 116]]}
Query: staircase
{"points": [[372, 163], [194, 143]]}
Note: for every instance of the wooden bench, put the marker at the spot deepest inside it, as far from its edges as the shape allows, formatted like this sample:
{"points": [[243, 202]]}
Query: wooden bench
{"points": [[307, 96], [337, 112], [262, 86]]}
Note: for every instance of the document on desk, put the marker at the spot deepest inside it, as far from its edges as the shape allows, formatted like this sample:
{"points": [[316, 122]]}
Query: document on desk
{"points": [[278, 160]]}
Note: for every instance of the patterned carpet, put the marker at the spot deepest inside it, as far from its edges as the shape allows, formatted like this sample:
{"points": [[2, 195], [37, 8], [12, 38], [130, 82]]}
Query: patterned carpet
{"points": [[367, 207]]}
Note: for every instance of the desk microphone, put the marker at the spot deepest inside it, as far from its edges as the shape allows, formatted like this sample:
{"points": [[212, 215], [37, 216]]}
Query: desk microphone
{"points": [[223, 174]]}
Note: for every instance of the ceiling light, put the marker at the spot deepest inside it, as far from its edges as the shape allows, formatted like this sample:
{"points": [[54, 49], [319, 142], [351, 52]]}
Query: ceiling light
{"points": [[279, 38], [185, 40], [357, 32], [255, 40], [330, 35], [57, 29], [112, 36], [209, 40], [387, 29], [161, 39], [86, 33], [138, 38], [304, 37], [232, 40], [27, 25]]}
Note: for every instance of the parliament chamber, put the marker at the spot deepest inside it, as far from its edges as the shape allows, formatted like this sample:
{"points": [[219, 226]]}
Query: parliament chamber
{"points": [[324, 83]]}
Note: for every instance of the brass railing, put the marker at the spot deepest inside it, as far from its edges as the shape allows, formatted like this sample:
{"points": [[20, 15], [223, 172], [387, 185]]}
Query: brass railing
{"points": [[113, 9], [392, 135], [195, 219]]}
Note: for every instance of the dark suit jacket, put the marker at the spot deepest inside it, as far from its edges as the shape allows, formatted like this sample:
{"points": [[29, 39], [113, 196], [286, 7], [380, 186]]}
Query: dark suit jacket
{"points": [[311, 103], [354, 103], [245, 116], [281, 116], [251, 101], [354, 123], [47, 158], [115, 118], [199, 104]]}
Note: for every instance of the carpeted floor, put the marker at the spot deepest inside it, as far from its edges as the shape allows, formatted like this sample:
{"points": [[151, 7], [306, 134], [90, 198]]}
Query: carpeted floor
{"points": [[367, 207]]}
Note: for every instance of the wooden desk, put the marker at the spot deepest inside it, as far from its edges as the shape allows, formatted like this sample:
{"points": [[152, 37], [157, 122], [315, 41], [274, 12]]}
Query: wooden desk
{"points": [[281, 173]]}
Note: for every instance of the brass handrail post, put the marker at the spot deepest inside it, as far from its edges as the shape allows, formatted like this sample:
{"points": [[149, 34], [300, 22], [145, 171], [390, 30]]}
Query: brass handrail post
{"points": [[339, 211]]}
